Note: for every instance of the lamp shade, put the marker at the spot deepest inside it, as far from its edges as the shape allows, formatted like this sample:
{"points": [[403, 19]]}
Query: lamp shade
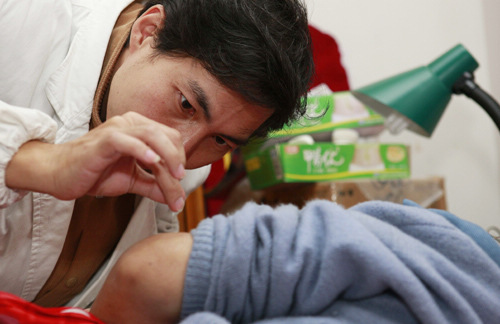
{"points": [[416, 99]]}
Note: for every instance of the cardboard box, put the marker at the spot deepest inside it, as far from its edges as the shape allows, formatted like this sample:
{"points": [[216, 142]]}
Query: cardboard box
{"points": [[292, 163], [427, 192], [331, 111], [273, 161]]}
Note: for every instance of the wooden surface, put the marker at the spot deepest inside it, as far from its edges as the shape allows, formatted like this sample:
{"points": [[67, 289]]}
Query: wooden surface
{"points": [[193, 212]]}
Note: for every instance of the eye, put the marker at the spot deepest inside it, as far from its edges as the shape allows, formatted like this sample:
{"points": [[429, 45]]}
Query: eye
{"points": [[223, 144], [220, 141], [186, 105]]}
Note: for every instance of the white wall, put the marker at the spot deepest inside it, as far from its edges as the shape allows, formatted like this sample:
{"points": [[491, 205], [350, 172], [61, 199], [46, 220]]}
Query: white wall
{"points": [[380, 38]]}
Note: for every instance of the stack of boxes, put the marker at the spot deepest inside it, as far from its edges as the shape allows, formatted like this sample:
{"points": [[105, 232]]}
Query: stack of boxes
{"points": [[337, 139]]}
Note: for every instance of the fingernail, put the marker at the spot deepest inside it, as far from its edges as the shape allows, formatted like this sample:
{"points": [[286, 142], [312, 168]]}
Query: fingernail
{"points": [[181, 172], [179, 204], [152, 156]]}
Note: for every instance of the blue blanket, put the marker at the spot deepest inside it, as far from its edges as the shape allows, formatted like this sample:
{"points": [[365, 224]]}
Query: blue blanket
{"points": [[376, 262]]}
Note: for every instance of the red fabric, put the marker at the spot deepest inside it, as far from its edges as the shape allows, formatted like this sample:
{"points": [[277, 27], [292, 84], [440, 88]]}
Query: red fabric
{"points": [[327, 58], [328, 70], [15, 310]]}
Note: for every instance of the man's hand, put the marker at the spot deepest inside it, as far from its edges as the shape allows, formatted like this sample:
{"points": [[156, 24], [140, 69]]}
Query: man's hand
{"points": [[126, 154]]}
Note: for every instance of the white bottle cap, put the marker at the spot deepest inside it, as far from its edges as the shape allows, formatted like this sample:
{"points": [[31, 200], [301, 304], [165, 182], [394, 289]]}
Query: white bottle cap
{"points": [[344, 136], [302, 139]]}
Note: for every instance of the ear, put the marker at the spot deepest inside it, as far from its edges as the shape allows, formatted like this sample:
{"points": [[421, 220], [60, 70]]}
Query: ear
{"points": [[145, 27]]}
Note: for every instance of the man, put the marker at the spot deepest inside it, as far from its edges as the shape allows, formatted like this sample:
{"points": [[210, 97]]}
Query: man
{"points": [[376, 262], [164, 87]]}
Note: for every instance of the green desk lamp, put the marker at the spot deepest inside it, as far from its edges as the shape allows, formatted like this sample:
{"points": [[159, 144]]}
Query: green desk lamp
{"points": [[416, 99]]}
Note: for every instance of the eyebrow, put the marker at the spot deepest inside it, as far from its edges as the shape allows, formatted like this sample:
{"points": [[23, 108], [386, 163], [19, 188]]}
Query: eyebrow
{"points": [[202, 100]]}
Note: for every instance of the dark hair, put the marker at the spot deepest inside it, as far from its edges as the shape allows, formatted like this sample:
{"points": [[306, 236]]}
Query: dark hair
{"points": [[258, 48]]}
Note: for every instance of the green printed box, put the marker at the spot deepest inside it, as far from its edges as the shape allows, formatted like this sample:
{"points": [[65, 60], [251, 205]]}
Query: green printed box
{"points": [[331, 111], [286, 163]]}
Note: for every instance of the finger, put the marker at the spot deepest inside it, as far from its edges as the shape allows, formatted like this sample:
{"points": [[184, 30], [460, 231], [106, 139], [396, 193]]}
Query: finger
{"points": [[164, 187], [167, 143], [127, 144], [145, 185], [171, 188], [164, 140]]}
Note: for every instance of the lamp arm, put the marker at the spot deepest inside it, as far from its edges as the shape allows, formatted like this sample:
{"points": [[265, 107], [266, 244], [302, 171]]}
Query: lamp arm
{"points": [[467, 86]]}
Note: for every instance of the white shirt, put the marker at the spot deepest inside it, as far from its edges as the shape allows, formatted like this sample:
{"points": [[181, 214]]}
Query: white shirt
{"points": [[51, 54]]}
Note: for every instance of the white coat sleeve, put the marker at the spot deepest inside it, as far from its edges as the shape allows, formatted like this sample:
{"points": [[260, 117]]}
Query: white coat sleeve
{"points": [[18, 126], [32, 45]]}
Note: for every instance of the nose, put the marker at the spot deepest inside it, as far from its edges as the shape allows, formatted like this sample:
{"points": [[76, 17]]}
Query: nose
{"points": [[191, 141]]}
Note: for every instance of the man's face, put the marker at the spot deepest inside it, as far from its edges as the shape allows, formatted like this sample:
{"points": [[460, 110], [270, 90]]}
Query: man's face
{"points": [[180, 93]]}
